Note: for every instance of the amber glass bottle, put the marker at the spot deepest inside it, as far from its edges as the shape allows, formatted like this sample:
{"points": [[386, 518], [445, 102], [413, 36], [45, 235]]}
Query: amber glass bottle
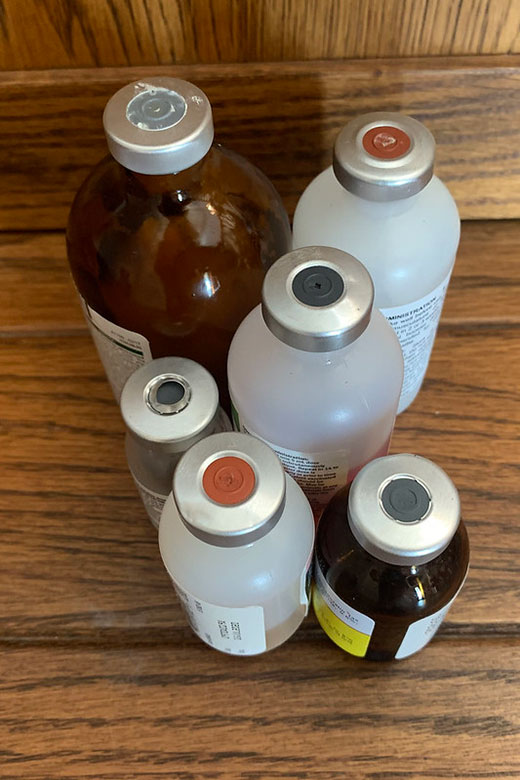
{"points": [[391, 555], [170, 236]]}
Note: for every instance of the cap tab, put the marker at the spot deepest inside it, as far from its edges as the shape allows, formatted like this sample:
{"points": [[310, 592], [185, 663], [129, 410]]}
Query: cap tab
{"points": [[156, 108], [405, 500], [229, 481], [386, 142], [318, 285]]}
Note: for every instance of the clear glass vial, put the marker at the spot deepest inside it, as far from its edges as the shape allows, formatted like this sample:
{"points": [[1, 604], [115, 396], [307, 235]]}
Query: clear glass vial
{"points": [[381, 201], [169, 237], [236, 537], [167, 405], [315, 371], [391, 556]]}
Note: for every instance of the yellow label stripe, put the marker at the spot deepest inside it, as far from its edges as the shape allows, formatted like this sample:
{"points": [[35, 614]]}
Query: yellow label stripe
{"points": [[346, 637]]}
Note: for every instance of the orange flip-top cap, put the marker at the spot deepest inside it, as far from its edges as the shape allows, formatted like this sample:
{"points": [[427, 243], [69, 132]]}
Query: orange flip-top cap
{"points": [[386, 142], [229, 480]]}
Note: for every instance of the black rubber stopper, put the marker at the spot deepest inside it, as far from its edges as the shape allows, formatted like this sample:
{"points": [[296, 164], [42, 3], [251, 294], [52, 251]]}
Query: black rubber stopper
{"points": [[170, 392], [318, 285], [405, 500]]}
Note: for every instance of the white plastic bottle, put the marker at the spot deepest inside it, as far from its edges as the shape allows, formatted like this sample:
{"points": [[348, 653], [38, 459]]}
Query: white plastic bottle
{"points": [[236, 537], [315, 371], [381, 202], [167, 405]]}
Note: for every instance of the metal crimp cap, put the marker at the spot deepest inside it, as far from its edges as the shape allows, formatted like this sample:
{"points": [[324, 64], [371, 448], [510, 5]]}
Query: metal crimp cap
{"points": [[317, 299], [229, 489], [403, 509], [170, 401], [384, 156], [158, 126]]}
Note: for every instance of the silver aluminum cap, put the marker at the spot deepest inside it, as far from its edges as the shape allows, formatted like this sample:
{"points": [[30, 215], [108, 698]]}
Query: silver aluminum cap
{"points": [[158, 126], [403, 509], [317, 299], [384, 156], [170, 401], [229, 489]]}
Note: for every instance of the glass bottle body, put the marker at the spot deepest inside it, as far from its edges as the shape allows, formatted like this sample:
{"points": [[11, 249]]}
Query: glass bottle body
{"points": [[152, 466], [268, 576], [394, 597], [178, 259], [326, 414]]}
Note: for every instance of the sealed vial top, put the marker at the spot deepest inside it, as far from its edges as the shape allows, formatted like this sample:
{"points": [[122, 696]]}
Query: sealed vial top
{"points": [[229, 489], [158, 126], [171, 401], [384, 156], [317, 299], [403, 509]]}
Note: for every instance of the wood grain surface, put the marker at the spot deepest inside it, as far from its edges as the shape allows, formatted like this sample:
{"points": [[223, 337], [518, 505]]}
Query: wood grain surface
{"points": [[51, 128], [82, 33], [303, 711], [100, 676]]}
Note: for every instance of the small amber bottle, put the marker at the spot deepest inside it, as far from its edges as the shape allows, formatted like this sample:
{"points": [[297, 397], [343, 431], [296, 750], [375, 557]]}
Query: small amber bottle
{"points": [[391, 556], [169, 237]]}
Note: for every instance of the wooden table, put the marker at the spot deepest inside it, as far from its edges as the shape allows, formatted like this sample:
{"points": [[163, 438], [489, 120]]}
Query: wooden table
{"points": [[100, 675]]}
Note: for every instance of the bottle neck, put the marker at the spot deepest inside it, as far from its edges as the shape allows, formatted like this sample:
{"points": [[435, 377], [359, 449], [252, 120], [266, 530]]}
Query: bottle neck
{"points": [[379, 210], [186, 180], [172, 446]]}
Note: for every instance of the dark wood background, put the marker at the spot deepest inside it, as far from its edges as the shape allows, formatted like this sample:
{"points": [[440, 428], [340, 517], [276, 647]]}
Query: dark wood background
{"points": [[100, 677], [87, 33]]}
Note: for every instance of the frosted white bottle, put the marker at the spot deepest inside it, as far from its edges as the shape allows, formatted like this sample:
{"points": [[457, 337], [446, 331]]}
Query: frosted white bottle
{"points": [[315, 371], [236, 537], [381, 202], [167, 405]]}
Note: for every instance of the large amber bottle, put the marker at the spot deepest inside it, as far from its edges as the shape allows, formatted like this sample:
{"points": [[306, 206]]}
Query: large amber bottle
{"points": [[170, 236]]}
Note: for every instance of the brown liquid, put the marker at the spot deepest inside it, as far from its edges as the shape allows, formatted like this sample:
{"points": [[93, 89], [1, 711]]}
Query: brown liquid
{"points": [[178, 258], [393, 596]]}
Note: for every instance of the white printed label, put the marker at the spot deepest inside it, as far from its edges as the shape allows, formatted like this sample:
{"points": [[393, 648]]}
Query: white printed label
{"points": [[416, 324], [234, 630], [319, 474], [153, 502], [421, 631], [121, 351], [350, 616]]}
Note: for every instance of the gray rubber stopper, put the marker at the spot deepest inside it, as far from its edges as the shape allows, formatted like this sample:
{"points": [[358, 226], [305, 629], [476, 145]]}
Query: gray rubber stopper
{"points": [[405, 500], [318, 285], [170, 392]]}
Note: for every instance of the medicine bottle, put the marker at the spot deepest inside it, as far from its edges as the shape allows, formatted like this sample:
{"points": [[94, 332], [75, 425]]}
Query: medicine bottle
{"points": [[169, 237], [381, 201], [167, 405], [391, 556], [236, 537], [315, 371]]}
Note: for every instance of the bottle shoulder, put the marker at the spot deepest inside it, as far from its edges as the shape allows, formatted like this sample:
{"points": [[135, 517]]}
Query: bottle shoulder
{"points": [[221, 178]]}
